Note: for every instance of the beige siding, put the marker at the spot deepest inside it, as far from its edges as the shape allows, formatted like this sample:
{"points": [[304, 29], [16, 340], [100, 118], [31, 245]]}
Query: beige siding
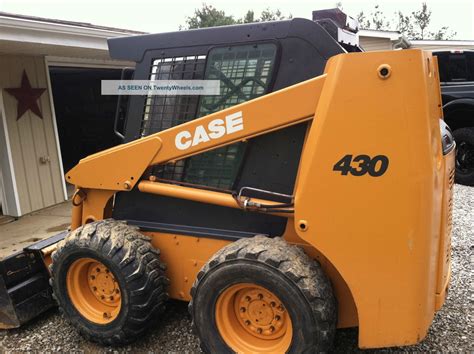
{"points": [[441, 47], [372, 43], [39, 184]]}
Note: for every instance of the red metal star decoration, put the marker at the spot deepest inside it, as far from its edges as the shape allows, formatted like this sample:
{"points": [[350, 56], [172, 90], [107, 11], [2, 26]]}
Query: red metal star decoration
{"points": [[27, 97]]}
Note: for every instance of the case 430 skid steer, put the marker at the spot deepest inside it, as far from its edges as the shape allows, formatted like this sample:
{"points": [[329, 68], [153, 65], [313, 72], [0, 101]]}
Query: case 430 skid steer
{"points": [[314, 193]]}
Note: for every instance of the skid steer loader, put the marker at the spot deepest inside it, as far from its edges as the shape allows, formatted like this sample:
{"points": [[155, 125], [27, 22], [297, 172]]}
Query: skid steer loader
{"points": [[314, 193]]}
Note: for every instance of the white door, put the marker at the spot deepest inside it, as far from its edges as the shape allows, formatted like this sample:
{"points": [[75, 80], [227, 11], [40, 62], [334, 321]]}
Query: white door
{"points": [[30, 143]]}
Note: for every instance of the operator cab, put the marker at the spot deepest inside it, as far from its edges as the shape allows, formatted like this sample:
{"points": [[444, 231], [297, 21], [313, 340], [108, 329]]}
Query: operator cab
{"points": [[250, 61]]}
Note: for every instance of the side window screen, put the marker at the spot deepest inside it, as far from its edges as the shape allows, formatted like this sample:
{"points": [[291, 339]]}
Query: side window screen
{"points": [[163, 112], [245, 73]]}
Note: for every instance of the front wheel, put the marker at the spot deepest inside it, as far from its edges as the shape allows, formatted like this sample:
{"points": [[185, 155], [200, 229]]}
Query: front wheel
{"points": [[109, 282], [464, 138], [263, 295]]}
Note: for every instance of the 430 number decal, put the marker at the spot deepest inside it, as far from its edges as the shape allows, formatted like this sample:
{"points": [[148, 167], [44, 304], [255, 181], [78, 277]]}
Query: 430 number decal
{"points": [[361, 164]]}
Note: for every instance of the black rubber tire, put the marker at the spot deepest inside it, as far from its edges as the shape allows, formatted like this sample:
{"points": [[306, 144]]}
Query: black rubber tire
{"points": [[134, 263], [464, 135], [285, 270]]}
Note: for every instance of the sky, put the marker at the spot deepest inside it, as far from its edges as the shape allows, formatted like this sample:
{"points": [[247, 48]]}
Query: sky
{"points": [[165, 16]]}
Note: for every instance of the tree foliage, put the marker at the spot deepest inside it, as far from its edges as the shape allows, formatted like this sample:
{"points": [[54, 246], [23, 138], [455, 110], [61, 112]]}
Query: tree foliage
{"points": [[272, 15], [416, 25], [379, 21], [209, 16]]}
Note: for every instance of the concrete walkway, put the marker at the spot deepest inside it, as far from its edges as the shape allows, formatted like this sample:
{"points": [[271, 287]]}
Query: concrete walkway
{"points": [[34, 227]]}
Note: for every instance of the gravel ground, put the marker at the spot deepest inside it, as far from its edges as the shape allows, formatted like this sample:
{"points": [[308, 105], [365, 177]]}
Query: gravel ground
{"points": [[451, 331]]}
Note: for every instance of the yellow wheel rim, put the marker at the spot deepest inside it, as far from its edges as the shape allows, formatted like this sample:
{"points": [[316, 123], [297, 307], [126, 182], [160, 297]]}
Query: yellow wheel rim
{"points": [[93, 290], [252, 319]]}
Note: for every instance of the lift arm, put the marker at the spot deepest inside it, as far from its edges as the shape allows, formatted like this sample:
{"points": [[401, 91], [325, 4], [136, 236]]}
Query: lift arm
{"points": [[98, 177], [120, 168]]}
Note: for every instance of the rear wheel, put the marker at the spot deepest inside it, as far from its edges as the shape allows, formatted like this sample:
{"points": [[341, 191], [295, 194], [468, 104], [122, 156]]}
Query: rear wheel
{"points": [[464, 138], [263, 295], [108, 281]]}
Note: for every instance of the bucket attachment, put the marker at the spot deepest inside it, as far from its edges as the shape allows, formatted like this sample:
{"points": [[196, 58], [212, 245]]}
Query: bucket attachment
{"points": [[24, 284]]}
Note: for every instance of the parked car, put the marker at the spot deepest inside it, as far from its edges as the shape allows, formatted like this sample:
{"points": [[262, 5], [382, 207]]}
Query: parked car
{"points": [[456, 70]]}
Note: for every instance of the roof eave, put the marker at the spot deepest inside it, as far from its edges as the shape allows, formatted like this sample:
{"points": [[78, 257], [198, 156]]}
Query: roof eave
{"points": [[392, 35], [55, 34], [26, 24]]}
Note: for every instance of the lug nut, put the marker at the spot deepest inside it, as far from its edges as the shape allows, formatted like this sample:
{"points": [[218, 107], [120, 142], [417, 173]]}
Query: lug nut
{"points": [[272, 304], [247, 323], [277, 318], [259, 330], [272, 329], [247, 298], [242, 309], [260, 296], [94, 288], [93, 277]]}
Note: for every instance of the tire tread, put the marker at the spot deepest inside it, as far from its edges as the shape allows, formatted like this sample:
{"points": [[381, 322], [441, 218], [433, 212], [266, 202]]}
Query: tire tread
{"points": [[141, 268], [292, 261]]}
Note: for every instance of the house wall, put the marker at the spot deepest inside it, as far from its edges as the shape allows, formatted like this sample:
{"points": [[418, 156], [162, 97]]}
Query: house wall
{"points": [[36, 185], [373, 43]]}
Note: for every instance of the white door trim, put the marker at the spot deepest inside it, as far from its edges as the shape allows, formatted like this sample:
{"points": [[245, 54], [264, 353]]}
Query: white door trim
{"points": [[88, 63], [8, 209], [55, 127]]}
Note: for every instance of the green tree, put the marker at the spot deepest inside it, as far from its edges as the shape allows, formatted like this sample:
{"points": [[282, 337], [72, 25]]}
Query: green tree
{"points": [[249, 17], [442, 33], [363, 21], [272, 15], [421, 20], [265, 15], [404, 24], [209, 16], [379, 21], [414, 26]]}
